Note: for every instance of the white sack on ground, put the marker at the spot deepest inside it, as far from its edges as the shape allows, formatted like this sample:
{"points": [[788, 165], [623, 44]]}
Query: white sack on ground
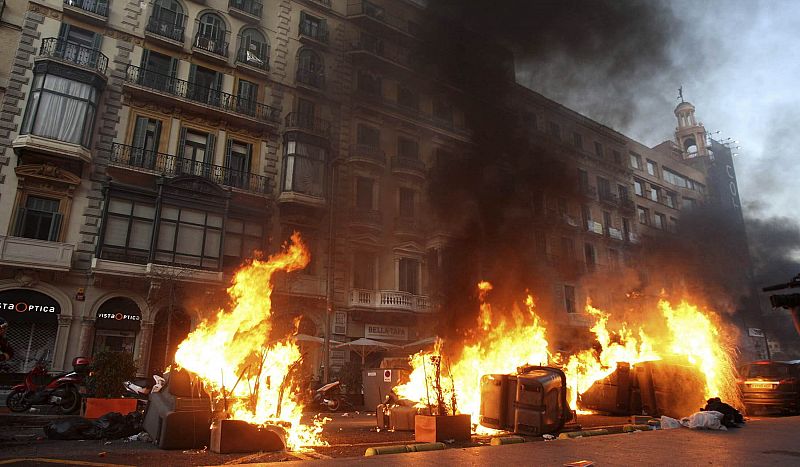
{"points": [[708, 420], [668, 423]]}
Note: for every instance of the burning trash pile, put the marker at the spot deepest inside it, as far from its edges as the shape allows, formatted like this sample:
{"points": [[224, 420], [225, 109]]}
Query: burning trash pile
{"points": [[235, 355], [502, 343]]}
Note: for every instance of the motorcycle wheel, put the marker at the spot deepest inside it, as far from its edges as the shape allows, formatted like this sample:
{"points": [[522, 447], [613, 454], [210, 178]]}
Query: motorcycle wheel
{"points": [[334, 405], [70, 401], [16, 401]]}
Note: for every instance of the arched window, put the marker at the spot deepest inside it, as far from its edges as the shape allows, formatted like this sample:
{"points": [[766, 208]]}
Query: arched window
{"points": [[310, 68], [212, 34], [254, 49], [168, 19]]}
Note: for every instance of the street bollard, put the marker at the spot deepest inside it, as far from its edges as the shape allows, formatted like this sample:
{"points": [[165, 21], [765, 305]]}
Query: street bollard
{"points": [[502, 440]]}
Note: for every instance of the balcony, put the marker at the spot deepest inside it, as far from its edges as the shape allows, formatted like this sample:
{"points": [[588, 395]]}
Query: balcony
{"points": [[609, 198], [121, 267], [40, 254], [201, 99], [310, 79], [293, 198], [93, 11], [246, 10], [407, 226], [408, 166], [587, 191], [367, 154], [627, 205], [252, 61], [370, 218], [571, 221], [382, 55], [594, 227], [616, 234], [168, 165], [376, 19], [213, 48], [309, 125], [314, 34], [389, 300], [634, 238], [73, 54], [169, 32]]}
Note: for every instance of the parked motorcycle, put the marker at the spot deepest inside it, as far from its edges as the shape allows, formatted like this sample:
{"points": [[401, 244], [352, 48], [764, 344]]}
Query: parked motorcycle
{"points": [[329, 397], [61, 390]]}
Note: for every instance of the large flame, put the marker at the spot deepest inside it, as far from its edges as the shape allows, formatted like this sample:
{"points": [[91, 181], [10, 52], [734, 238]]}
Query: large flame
{"points": [[236, 357], [501, 345]]}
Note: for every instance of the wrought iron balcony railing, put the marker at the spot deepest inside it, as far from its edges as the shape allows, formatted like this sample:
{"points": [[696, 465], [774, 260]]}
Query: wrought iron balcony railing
{"points": [[216, 46], [211, 97], [171, 28], [79, 55], [169, 165], [311, 78], [317, 32], [98, 7], [251, 7], [305, 122], [250, 58]]}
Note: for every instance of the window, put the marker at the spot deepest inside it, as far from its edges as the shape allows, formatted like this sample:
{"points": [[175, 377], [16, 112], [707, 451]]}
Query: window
{"points": [[655, 193], [242, 238], [304, 168], [364, 193], [407, 201], [254, 49], [636, 161], [659, 220], [643, 214], [626, 228], [617, 157], [211, 34], [144, 146], [607, 221], [638, 187], [407, 148], [195, 152], [583, 179], [368, 136], [204, 85], [310, 69], [567, 249], [613, 259], [189, 237], [407, 97], [540, 243], [651, 168], [237, 163], [158, 71], [689, 203], [247, 97], [61, 109], [569, 298], [364, 270], [39, 218], [590, 255], [622, 191], [78, 45], [128, 230], [408, 275], [671, 199], [369, 83], [167, 19], [604, 187], [313, 27], [598, 149], [442, 110], [554, 129], [577, 140]]}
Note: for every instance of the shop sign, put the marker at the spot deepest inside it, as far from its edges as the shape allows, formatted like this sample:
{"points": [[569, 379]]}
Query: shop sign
{"points": [[381, 331], [22, 304], [118, 314]]}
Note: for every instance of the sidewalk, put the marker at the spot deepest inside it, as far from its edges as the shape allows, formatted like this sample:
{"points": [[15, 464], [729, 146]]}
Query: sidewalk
{"points": [[767, 441]]}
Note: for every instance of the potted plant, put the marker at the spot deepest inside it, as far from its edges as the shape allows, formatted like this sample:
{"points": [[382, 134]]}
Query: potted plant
{"points": [[104, 385]]}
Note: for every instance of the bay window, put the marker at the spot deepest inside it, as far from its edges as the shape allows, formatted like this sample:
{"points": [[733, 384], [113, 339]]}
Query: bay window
{"points": [[304, 168], [61, 109]]}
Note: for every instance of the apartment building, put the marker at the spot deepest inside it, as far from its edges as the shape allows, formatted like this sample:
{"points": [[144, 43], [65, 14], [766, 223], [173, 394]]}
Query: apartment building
{"points": [[149, 148]]}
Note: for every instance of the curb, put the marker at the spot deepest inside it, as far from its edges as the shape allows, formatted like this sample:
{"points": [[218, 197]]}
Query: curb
{"points": [[503, 440], [583, 433], [421, 447]]}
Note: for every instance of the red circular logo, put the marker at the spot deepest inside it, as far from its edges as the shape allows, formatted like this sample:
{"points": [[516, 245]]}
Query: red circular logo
{"points": [[118, 316], [21, 307]]}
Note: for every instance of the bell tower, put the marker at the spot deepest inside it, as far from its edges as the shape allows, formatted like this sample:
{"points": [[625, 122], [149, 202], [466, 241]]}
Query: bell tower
{"points": [[690, 135]]}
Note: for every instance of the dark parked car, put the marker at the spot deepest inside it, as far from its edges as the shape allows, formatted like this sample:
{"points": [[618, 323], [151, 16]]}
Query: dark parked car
{"points": [[771, 385]]}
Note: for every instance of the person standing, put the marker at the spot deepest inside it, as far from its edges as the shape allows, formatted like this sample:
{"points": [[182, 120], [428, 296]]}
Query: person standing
{"points": [[6, 351]]}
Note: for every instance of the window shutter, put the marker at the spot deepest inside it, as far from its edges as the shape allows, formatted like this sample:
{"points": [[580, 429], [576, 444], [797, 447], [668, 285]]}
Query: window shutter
{"points": [[210, 144], [98, 40], [218, 82], [20, 221], [145, 58], [181, 142], [55, 227], [157, 136], [249, 157], [64, 32], [139, 134], [190, 89], [228, 145]]}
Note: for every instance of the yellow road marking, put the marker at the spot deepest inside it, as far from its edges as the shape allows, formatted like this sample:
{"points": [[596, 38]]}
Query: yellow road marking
{"points": [[60, 461]]}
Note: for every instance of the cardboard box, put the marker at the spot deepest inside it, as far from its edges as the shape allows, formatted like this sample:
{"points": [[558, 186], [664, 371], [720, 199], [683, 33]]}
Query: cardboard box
{"points": [[436, 428]]}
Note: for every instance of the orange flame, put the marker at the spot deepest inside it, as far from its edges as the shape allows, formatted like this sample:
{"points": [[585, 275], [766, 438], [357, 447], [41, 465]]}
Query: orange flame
{"points": [[233, 354]]}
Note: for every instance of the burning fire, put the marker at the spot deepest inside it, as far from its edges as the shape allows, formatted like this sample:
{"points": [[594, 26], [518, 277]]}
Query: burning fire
{"points": [[504, 344], [235, 356]]}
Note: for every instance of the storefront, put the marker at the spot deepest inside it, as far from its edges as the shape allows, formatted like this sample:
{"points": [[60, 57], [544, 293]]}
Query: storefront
{"points": [[33, 326], [116, 326]]}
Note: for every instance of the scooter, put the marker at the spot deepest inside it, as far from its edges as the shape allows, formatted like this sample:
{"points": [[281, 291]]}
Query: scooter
{"points": [[329, 397], [61, 390]]}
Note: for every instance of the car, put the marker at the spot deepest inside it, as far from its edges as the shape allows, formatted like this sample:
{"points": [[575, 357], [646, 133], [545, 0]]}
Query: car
{"points": [[771, 385]]}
